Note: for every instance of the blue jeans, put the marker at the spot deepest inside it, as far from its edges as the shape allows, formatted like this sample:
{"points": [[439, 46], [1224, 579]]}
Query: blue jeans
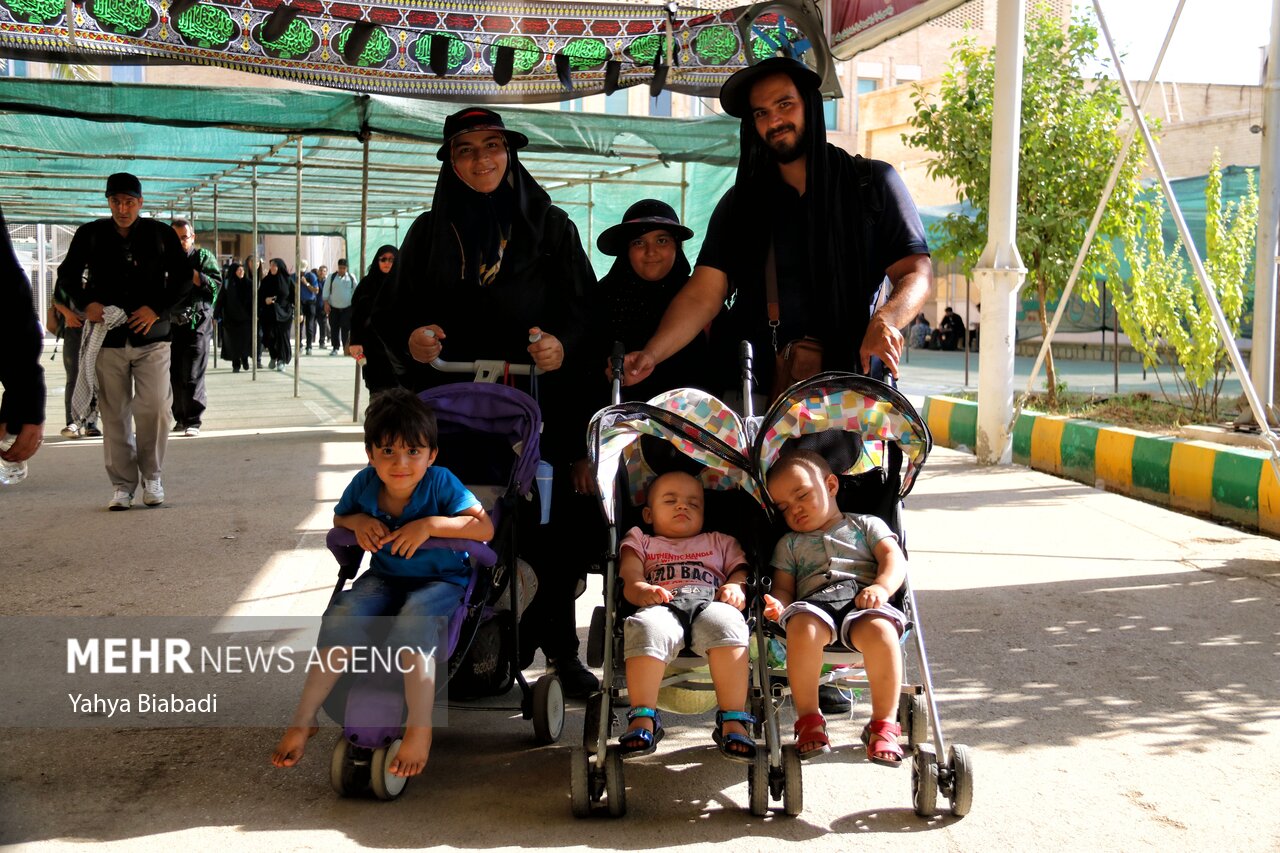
{"points": [[411, 612]]}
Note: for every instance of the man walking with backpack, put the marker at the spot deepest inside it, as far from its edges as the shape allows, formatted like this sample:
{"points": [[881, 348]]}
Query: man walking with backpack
{"points": [[192, 320], [137, 271], [338, 291]]}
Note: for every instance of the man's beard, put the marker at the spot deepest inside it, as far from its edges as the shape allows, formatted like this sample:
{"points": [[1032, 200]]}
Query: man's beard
{"points": [[787, 153]]}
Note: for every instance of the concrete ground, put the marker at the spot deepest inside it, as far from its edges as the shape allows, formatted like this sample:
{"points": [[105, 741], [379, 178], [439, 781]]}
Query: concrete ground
{"points": [[1112, 665]]}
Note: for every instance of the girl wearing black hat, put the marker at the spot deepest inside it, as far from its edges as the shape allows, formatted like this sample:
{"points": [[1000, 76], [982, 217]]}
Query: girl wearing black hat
{"points": [[491, 265]]}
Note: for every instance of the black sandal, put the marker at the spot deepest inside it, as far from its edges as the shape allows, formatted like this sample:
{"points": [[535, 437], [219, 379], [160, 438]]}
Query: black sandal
{"points": [[634, 743], [734, 746]]}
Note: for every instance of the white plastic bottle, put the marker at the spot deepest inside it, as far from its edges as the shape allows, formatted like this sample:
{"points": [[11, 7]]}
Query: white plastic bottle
{"points": [[11, 472]]}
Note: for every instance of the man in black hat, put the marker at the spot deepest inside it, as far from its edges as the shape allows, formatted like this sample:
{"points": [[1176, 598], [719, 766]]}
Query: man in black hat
{"points": [[137, 271], [828, 227]]}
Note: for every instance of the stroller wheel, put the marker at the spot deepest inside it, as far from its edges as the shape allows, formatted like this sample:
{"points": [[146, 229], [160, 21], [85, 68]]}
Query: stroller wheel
{"points": [[792, 781], [961, 766], [591, 723], [579, 787], [385, 785], [615, 788], [924, 781], [758, 784], [343, 771], [596, 639], [913, 716], [548, 709]]}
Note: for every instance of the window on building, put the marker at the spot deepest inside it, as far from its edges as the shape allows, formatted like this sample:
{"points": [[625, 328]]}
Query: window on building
{"points": [[573, 106], [14, 68], [866, 84], [830, 113], [126, 73], [616, 104], [661, 105]]}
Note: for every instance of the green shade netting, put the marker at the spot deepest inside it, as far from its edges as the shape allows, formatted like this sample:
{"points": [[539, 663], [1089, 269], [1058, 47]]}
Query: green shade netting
{"points": [[60, 140]]}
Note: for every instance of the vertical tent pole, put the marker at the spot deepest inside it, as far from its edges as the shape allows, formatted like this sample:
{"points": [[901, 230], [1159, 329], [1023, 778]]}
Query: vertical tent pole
{"points": [[684, 185], [364, 229], [1262, 359], [591, 216], [1000, 271], [217, 254], [257, 276], [297, 274]]}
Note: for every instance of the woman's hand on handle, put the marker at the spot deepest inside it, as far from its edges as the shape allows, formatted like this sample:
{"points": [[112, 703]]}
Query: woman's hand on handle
{"points": [[425, 343], [636, 367], [547, 351]]}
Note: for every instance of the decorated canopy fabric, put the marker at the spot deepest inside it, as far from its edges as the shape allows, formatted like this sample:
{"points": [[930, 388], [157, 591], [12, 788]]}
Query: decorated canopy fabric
{"points": [[442, 50]]}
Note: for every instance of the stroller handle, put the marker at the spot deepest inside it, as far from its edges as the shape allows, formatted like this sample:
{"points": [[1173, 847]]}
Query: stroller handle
{"points": [[616, 359], [483, 367]]}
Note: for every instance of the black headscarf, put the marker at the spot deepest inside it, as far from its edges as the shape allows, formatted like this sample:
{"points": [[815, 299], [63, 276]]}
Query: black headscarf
{"points": [[375, 272]]}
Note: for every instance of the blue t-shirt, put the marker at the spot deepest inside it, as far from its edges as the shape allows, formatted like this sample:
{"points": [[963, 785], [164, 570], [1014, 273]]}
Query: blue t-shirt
{"points": [[310, 278], [438, 493]]}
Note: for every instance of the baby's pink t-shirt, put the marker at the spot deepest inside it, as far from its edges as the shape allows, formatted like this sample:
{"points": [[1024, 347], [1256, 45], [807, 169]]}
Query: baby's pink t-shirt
{"points": [[703, 560]]}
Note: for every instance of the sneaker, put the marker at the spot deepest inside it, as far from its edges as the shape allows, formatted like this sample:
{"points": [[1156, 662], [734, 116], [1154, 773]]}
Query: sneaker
{"points": [[192, 430], [71, 431], [332, 353], [120, 500], [833, 700], [177, 428], [272, 365], [152, 492], [280, 367], [577, 681], [92, 431]]}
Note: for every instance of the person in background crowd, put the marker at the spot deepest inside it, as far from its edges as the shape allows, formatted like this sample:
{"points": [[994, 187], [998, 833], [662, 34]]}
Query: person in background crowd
{"points": [[365, 345], [192, 320]]}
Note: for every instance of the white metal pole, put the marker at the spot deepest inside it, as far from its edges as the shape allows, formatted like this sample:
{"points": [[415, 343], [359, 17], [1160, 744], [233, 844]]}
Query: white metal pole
{"points": [[257, 282], [1263, 357], [999, 270], [297, 275]]}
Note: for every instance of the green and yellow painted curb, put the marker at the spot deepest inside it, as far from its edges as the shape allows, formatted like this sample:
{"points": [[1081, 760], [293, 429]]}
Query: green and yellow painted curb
{"points": [[1232, 484]]}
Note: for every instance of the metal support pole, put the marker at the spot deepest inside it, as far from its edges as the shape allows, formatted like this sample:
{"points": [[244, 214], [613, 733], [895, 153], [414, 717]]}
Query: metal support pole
{"points": [[1263, 357], [364, 231], [217, 254], [684, 185], [297, 276], [999, 270], [591, 215], [257, 281], [1193, 254]]}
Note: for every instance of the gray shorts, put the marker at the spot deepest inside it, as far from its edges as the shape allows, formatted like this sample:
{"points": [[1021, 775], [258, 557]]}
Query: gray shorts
{"points": [[888, 611], [657, 632]]}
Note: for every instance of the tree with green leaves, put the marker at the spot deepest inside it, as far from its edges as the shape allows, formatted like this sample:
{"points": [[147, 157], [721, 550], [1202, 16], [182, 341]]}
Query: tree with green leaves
{"points": [[1070, 139], [1162, 307]]}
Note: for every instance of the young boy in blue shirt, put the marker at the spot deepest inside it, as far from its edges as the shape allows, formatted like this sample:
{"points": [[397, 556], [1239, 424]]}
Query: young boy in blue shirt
{"points": [[393, 507]]}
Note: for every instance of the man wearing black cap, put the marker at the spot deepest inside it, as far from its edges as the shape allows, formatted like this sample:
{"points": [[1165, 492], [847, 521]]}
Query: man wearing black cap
{"points": [[826, 226], [137, 271]]}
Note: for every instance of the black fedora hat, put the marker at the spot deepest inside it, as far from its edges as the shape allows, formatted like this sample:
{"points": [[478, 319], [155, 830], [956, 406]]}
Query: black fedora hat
{"points": [[642, 217], [476, 118], [735, 94]]}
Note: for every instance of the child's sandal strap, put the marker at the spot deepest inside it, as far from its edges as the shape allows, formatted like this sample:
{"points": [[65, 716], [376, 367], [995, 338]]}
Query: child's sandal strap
{"points": [[744, 717], [642, 711]]}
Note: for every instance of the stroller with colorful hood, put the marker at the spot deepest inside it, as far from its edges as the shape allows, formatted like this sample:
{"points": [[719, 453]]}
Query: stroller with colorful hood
{"points": [[875, 441], [629, 446], [489, 440]]}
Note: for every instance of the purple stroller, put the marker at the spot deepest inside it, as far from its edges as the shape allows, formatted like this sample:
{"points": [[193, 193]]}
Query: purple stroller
{"points": [[489, 439]]}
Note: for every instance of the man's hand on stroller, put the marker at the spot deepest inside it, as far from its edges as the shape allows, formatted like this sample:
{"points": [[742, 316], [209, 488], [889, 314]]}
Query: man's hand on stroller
{"points": [[882, 341], [584, 481], [369, 531], [645, 594], [636, 367], [425, 343], [547, 351], [406, 541]]}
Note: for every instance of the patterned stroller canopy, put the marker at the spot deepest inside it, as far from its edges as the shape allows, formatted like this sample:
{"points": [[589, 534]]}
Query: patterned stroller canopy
{"points": [[850, 403], [697, 424]]}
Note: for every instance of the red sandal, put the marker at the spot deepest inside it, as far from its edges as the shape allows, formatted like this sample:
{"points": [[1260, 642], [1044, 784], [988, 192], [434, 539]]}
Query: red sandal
{"points": [[881, 738], [812, 728]]}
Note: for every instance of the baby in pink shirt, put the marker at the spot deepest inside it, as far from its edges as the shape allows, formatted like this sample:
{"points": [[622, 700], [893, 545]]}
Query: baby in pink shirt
{"points": [[688, 586]]}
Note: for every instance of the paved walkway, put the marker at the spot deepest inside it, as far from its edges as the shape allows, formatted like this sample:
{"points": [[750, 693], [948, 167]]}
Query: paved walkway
{"points": [[1112, 665]]}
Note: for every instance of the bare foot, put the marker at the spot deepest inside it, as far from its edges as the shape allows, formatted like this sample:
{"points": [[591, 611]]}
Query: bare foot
{"points": [[292, 743], [411, 758]]}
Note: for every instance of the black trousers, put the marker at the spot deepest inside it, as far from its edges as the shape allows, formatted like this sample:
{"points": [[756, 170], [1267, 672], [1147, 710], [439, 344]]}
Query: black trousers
{"points": [[190, 357], [309, 313]]}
